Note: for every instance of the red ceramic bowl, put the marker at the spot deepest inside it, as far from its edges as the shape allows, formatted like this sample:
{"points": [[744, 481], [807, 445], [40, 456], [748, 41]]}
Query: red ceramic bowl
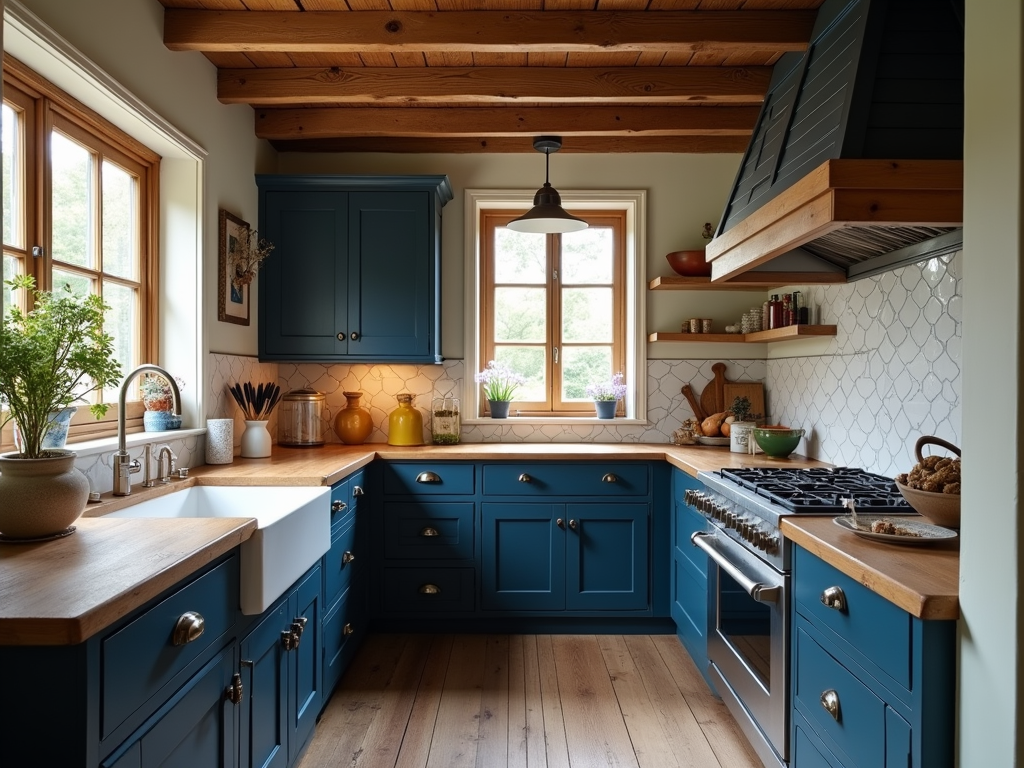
{"points": [[689, 263]]}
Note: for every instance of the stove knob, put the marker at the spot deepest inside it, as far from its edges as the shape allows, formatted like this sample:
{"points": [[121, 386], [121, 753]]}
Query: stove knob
{"points": [[762, 540], [772, 544]]}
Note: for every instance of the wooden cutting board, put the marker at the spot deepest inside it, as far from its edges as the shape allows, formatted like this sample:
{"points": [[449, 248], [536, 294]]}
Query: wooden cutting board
{"points": [[752, 390], [712, 399]]}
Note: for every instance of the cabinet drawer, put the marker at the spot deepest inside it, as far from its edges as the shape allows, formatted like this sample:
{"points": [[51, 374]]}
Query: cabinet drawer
{"points": [[428, 530], [807, 753], [339, 562], [434, 479], [433, 590], [869, 624], [341, 627], [859, 732], [140, 658], [591, 479], [687, 522]]}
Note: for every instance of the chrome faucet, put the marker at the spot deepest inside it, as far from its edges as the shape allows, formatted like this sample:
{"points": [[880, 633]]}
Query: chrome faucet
{"points": [[123, 464], [165, 450]]}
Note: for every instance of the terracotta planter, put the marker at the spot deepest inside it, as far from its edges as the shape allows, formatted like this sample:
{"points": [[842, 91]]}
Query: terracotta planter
{"points": [[40, 498]]}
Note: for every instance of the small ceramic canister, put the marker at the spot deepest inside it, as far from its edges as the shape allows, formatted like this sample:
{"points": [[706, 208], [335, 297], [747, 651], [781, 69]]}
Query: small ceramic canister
{"points": [[695, 325], [220, 441], [705, 325]]}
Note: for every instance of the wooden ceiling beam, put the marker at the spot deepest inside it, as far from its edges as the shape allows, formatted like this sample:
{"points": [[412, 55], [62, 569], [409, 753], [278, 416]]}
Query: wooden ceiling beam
{"points": [[479, 122], [715, 32], [482, 85], [577, 145]]}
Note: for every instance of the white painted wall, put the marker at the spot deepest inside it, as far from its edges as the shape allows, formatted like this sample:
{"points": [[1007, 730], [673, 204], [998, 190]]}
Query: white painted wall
{"points": [[990, 571]]}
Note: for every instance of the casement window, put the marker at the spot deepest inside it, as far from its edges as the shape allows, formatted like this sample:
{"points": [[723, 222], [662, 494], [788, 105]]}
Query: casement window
{"points": [[80, 209], [553, 308], [564, 311]]}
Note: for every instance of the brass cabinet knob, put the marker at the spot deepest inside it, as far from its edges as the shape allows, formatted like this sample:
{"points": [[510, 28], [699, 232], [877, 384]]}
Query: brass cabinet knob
{"points": [[348, 629], [573, 524], [289, 640], [428, 477], [357, 490], [299, 625], [341, 335], [560, 523], [610, 478], [834, 598], [338, 506], [430, 589], [830, 703], [525, 478], [235, 691], [188, 627], [347, 557], [354, 336], [428, 532]]}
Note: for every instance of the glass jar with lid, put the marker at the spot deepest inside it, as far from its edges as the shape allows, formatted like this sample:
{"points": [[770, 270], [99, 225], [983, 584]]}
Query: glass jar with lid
{"points": [[445, 421], [300, 419]]}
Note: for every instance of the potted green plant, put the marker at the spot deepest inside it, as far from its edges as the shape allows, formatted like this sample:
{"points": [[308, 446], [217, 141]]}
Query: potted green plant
{"points": [[606, 396], [50, 357], [500, 383]]}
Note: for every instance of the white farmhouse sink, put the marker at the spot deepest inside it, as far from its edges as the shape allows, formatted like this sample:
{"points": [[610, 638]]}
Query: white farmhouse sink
{"points": [[293, 531]]}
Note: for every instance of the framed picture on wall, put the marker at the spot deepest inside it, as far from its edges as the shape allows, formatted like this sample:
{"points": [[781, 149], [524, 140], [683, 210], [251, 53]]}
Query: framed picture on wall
{"points": [[232, 297]]}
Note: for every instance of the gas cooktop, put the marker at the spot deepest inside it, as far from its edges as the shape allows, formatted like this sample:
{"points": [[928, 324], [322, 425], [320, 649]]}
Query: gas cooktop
{"points": [[818, 490]]}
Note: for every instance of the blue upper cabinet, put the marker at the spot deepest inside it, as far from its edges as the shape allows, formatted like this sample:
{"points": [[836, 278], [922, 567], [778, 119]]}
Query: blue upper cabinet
{"points": [[355, 271]]}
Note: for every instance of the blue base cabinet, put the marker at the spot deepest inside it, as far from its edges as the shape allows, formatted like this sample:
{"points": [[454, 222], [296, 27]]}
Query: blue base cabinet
{"points": [[355, 271], [872, 685], [689, 577]]}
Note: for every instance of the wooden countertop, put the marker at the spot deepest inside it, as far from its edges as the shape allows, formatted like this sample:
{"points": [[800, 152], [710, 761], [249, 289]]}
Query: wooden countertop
{"points": [[922, 580], [64, 591]]}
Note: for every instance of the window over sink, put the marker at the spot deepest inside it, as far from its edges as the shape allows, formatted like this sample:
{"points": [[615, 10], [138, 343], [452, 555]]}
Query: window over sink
{"points": [[561, 310]]}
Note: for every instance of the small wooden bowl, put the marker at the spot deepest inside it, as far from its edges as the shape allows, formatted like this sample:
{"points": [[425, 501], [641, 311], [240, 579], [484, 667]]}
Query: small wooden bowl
{"points": [[689, 263], [939, 508]]}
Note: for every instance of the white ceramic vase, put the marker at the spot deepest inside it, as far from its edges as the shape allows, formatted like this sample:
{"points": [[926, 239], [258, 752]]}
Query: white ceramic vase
{"points": [[40, 498], [256, 442]]}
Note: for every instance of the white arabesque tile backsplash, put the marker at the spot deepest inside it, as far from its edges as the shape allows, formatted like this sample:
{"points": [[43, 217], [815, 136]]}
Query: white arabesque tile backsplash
{"points": [[891, 374]]}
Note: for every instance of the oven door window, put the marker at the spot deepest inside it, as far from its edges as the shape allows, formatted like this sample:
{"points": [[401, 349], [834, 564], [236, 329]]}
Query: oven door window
{"points": [[746, 625]]}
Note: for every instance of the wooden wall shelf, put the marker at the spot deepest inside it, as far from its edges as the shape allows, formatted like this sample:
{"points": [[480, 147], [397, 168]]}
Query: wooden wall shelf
{"points": [[775, 334], [750, 281]]}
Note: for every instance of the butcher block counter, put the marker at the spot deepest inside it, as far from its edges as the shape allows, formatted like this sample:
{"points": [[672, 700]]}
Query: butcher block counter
{"points": [[63, 591]]}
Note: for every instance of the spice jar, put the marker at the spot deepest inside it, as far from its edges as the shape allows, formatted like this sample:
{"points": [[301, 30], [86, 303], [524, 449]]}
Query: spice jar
{"points": [[445, 421]]}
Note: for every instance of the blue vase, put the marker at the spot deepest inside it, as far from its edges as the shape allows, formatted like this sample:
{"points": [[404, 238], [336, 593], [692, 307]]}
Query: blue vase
{"points": [[160, 421], [499, 408], [606, 408]]}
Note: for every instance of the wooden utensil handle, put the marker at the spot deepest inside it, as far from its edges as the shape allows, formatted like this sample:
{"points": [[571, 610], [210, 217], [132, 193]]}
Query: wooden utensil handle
{"points": [[691, 398]]}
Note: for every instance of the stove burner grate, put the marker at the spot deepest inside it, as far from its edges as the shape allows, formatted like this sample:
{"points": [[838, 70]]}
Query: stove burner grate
{"points": [[819, 490]]}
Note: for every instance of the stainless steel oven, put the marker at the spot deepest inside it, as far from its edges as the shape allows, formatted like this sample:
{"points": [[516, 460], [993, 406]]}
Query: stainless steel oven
{"points": [[748, 581], [748, 638]]}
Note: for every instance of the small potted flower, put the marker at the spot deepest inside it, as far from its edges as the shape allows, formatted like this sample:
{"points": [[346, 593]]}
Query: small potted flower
{"points": [[606, 396], [156, 396], [500, 384]]}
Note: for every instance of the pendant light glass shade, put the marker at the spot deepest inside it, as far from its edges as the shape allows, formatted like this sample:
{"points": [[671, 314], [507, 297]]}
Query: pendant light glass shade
{"points": [[547, 215]]}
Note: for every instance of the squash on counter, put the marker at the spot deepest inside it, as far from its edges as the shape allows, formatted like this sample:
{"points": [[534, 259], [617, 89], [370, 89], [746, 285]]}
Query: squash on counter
{"points": [[712, 425]]}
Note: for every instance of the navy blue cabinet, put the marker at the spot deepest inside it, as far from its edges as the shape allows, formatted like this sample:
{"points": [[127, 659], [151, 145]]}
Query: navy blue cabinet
{"points": [[869, 679], [689, 577], [354, 274]]}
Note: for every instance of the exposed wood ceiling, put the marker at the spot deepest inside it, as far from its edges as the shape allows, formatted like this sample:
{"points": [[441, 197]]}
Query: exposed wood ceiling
{"points": [[476, 76]]}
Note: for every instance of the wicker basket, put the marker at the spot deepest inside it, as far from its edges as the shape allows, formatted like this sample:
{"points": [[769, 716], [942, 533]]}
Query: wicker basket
{"points": [[939, 508]]}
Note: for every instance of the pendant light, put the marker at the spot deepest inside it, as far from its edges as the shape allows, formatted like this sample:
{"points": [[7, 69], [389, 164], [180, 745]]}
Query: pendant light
{"points": [[547, 215]]}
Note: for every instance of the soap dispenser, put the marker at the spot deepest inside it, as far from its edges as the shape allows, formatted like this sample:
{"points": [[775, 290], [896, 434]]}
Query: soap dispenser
{"points": [[405, 423]]}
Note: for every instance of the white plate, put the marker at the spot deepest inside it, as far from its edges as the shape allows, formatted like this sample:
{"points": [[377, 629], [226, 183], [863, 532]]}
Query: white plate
{"points": [[927, 533], [712, 440]]}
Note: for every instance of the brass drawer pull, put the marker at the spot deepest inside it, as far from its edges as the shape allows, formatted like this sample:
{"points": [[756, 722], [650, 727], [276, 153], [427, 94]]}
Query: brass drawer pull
{"points": [[428, 477], [428, 532], [610, 478], [299, 625], [338, 506], [830, 703], [289, 639], [357, 490], [430, 589], [347, 557], [235, 690], [189, 627], [834, 598], [525, 478], [348, 629]]}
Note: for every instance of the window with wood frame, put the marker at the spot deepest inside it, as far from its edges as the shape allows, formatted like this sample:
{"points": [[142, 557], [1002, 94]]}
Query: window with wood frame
{"points": [[80, 209], [553, 309]]}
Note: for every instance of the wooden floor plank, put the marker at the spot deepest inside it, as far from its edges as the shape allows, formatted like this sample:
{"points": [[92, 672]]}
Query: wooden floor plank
{"points": [[518, 721], [594, 728], [457, 729], [688, 742], [419, 733], [723, 734], [493, 741], [556, 749]]}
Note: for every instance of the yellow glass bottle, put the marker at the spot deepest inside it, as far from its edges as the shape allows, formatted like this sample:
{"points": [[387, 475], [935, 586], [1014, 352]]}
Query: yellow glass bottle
{"points": [[405, 423]]}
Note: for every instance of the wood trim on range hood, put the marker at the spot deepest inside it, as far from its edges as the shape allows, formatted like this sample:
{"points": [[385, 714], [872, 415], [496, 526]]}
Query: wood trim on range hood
{"points": [[853, 195]]}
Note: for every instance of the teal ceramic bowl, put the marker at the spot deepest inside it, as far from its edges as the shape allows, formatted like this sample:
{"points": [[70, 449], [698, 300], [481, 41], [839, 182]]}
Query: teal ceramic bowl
{"points": [[777, 443]]}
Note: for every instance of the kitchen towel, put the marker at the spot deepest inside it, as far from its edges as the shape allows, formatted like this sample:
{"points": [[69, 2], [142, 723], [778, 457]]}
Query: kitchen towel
{"points": [[220, 441]]}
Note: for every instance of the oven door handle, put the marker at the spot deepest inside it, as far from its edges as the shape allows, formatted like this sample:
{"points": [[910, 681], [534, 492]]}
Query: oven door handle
{"points": [[762, 593]]}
